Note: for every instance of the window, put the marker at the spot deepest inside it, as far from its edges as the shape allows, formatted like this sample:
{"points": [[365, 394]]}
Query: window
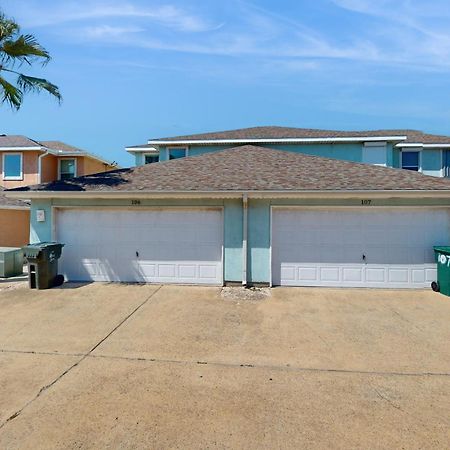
{"points": [[12, 166], [151, 158], [375, 153], [446, 163], [177, 152], [411, 160], [67, 168]]}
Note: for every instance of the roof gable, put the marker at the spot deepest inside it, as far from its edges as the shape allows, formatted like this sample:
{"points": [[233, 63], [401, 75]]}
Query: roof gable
{"points": [[251, 168]]}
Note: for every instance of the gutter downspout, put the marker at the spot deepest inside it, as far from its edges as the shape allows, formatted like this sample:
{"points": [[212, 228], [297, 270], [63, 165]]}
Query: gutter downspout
{"points": [[40, 165], [244, 238]]}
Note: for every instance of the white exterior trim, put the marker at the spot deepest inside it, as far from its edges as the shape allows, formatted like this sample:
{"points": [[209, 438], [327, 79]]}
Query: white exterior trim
{"points": [[7, 178], [417, 144], [244, 238], [20, 149]]}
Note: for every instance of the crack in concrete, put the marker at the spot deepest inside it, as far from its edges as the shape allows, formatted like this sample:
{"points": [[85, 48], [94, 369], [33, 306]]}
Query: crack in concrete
{"points": [[286, 367], [86, 355]]}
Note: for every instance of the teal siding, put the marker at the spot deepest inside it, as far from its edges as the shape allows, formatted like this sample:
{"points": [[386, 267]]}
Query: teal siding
{"points": [[258, 269], [233, 235], [350, 152], [41, 231], [432, 162], [431, 159], [139, 159]]}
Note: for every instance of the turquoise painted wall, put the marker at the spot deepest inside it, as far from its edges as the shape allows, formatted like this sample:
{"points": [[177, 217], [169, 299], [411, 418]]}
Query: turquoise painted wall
{"points": [[431, 159], [258, 270], [350, 152], [41, 231], [432, 162], [139, 159]]}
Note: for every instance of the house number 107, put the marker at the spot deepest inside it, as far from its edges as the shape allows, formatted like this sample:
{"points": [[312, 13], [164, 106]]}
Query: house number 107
{"points": [[366, 202]]}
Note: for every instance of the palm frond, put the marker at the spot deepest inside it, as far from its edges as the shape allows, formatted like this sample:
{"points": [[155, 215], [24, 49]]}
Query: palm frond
{"points": [[10, 94], [8, 27], [33, 84], [24, 48]]}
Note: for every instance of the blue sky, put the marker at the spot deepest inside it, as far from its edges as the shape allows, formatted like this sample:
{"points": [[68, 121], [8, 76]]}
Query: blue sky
{"points": [[130, 70]]}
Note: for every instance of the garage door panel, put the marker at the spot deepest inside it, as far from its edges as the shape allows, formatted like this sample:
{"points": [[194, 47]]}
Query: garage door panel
{"points": [[397, 244], [127, 246]]}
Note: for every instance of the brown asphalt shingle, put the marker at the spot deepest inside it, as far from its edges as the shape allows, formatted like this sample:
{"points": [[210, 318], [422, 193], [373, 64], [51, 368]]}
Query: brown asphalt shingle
{"points": [[273, 132], [250, 168], [60, 146], [17, 141]]}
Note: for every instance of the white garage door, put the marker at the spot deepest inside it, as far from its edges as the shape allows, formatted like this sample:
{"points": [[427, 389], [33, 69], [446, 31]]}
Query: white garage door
{"points": [[160, 246], [348, 248]]}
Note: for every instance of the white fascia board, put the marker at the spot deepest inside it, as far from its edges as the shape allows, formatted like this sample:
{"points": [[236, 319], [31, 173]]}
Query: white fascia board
{"points": [[419, 145], [15, 208], [278, 141], [142, 149], [21, 149], [229, 194]]}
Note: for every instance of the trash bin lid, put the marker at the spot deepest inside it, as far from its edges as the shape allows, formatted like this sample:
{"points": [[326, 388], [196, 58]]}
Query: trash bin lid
{"points": [[442, 249], [42, 245]]}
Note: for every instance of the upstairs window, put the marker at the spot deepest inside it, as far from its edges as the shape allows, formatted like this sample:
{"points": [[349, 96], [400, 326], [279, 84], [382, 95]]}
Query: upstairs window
{"points": [[177, 152], [411, 160], [67, 169], [12, 166], [446, 163], [151, 158]]}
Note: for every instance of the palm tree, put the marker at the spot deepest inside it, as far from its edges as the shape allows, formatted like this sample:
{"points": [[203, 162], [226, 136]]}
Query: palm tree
{"points": [[17, 49]]}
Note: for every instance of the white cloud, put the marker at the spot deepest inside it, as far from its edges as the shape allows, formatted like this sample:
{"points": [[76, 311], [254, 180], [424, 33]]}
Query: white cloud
{"points": [[167, 15]]}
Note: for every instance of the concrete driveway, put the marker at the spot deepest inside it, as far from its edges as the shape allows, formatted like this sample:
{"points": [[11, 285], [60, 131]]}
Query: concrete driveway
{"points": [[131, 366]]}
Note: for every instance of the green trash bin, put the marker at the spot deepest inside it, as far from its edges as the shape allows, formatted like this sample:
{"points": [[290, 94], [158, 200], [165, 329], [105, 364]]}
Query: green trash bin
{"points": [[442, 284], [42, 259]]}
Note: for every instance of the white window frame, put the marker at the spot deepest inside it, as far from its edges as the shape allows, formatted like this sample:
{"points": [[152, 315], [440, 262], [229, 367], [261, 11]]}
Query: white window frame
{"points": [[149, 154], [185, 148], [409, 150], [7, 178], [67, 159]]}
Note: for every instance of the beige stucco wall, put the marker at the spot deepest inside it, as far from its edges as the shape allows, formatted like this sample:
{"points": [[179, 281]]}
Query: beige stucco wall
{"points": [[49, 168], [14, 227], [30, 170], [93, 166]]}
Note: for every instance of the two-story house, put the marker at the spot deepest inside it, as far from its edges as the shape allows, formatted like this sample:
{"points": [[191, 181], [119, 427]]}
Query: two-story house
{"points": [[407, 149], [23, 162], [277, 206]]}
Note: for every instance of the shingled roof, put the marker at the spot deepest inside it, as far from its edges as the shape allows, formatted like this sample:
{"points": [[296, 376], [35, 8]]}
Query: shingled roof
{"points": [[10, 202], [250, 168], [17, 141], [274, 132]]}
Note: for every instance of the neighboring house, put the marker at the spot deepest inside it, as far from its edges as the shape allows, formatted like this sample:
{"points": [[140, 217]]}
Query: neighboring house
{"points": [[24, 161], [250, 215], [407, 149]]}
